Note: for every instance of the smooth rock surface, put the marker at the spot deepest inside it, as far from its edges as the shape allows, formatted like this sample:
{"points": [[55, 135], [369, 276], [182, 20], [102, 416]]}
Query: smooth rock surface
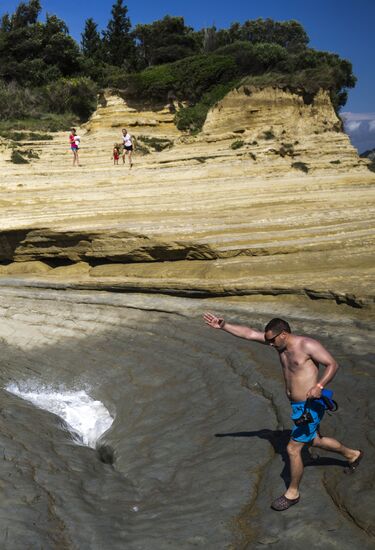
{"points": [[201, 421]]}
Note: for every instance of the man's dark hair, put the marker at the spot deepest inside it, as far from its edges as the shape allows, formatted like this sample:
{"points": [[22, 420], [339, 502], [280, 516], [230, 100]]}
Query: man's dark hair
{"points": [[277, 325]]}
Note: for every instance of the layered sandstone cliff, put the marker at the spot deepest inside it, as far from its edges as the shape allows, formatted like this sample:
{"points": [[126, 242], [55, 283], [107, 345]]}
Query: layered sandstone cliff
{"points": [[269, 198]]}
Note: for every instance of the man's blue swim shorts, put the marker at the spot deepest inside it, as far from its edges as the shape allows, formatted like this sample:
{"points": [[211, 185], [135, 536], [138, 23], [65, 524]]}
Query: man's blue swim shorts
{"points": [[305, 434]]}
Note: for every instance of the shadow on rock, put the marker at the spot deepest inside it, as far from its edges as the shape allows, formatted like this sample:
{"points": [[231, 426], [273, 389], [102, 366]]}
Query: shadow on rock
{"points": [[279, 440]]}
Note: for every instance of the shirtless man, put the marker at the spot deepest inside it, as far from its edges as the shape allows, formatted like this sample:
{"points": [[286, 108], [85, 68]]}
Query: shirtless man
{"points": [[300, 358]]}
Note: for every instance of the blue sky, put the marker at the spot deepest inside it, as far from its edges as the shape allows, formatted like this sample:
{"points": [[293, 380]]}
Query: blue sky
{"points": [[345, 27]]}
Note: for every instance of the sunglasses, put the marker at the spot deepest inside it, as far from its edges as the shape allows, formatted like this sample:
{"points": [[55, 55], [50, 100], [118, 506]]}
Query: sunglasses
{"points": [[272, 340]]}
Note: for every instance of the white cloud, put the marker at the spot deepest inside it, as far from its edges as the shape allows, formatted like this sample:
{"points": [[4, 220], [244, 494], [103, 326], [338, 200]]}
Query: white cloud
{"points": [[348, 117], [361, 129], [352, 126]]}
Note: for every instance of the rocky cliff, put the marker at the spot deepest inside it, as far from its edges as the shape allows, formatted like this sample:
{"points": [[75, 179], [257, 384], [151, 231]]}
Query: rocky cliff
{"points": [[104, 274], [269, 198]]}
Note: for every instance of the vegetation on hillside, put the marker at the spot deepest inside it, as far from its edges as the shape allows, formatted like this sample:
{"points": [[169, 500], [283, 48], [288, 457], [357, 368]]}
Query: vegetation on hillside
{"points": [[44, 73]]}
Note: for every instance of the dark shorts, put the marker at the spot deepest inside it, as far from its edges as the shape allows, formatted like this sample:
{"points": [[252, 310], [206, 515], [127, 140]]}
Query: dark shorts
{"points": [[128, 148], [74, 149], [305, 434]]}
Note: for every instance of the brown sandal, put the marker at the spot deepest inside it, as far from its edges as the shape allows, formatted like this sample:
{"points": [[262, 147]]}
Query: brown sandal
{"points": [[352, 466], [283, 503]]}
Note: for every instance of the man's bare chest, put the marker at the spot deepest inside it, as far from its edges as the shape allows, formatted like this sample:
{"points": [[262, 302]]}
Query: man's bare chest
{"points": [[295, 363]]}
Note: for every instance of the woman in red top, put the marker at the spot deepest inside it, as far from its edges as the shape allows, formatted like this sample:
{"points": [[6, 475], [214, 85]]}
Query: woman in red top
{"points": [[74, 146]]}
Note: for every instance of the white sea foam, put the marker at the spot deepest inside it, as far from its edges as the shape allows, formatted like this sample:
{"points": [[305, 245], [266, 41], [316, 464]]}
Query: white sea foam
{"points": [[83, 415]]}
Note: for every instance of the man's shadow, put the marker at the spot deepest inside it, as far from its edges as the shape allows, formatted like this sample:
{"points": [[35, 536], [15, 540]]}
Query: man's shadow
{"points": [[279, 440]]}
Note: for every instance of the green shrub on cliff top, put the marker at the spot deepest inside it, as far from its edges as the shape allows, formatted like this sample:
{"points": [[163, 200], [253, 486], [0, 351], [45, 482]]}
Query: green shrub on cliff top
{"points": [[18, 101], [23, 136], [56, 76], [254, 58], [192, 118], [46, 122], [75, 95], [187, 79]]}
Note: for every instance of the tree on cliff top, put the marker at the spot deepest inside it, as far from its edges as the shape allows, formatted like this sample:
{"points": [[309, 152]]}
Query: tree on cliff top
{"points": [[164, 41], [34, 53], [25, 14], [119, 46], [90, 40], [288, 34]]}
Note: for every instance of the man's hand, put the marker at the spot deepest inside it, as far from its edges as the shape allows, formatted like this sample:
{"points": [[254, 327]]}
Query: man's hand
{"points": [[314, 393], [213, 321]]}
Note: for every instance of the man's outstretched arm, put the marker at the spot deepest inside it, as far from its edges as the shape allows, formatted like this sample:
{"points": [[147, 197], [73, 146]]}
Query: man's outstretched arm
{"points": [[237, 330]]}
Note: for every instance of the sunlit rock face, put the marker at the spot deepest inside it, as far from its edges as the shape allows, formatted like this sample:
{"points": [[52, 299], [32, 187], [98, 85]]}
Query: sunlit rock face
{"points": [[285, 128], [116, 113], [196, 450], [270, 198]]}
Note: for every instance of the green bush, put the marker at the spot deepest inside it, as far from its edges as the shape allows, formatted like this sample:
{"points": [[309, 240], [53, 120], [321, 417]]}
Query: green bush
{"points": [[29, 153], [192, 118], [152, 83], [17, 101], [188, 79], [237, 144], [158, 144], [255, 58], [23, 108], [14, 136], [201, 74], [23, 136], [268, 134], [53, 122], [46, 122], [76, 95], [17, 158]]}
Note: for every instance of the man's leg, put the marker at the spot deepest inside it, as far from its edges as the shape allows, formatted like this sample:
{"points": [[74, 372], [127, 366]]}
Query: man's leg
{"points": [[330, 444], [291, 495], [294, 449]]}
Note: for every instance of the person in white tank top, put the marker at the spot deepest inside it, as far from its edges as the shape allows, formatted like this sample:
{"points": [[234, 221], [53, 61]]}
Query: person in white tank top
{"points": [[127, 146]]}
